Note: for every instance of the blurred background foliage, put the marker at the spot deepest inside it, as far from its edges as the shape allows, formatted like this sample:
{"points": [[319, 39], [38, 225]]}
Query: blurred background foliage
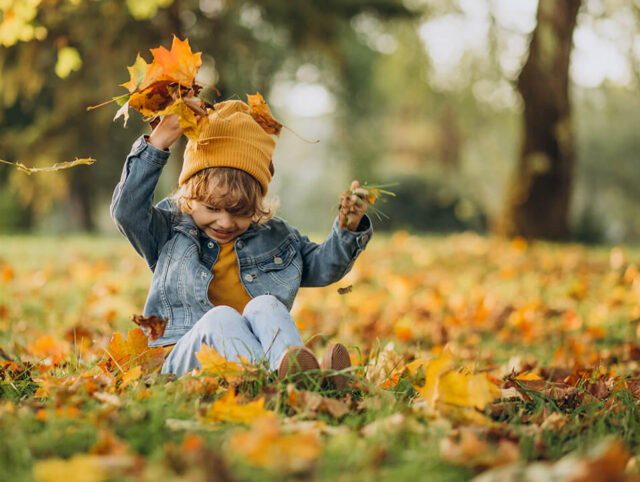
{"points": [[418, 92]]}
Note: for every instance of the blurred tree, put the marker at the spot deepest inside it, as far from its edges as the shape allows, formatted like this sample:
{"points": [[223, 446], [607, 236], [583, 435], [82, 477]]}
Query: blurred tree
{"points": [[63, 56], [538, 205]]}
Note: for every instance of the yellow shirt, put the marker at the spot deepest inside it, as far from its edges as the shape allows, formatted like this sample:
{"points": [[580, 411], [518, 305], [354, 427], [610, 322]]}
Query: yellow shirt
{"points": [[225, 287]]}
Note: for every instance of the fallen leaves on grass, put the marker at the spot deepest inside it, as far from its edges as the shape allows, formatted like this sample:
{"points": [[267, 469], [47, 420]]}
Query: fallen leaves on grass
{"points": [[310, 404], [265, 444], [215, 364], [124, 355], [227, 409]]}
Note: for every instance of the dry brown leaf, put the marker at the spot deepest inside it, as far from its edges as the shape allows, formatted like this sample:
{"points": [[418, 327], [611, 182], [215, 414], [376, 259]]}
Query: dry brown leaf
{"points": [[262, 115], [153, 325], [58, 166]]}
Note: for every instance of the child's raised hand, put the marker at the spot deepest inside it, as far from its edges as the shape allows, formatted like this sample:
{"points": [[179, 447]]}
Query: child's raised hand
{"points": [[168, 130], [352, 206], [166, 133]]}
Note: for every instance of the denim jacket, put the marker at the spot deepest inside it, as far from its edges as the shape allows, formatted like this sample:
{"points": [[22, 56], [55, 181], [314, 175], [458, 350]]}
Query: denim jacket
{"points": [[274, 258]]}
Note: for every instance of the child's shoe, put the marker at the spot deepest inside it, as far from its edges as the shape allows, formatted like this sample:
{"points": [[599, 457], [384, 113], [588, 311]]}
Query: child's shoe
{"points": [[336, 357], [297, 359]]}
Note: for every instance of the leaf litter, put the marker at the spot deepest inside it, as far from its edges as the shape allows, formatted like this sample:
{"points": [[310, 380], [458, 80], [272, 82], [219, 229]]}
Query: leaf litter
{"points": [[498, 383]]}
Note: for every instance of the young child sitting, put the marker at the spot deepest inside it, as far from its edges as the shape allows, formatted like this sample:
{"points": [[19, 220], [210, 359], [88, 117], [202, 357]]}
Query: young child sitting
{"points": [[225, 271]]}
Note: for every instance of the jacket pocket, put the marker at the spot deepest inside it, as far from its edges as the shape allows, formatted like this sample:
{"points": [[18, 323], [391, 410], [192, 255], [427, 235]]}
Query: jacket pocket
{"points": [[281, 268]]}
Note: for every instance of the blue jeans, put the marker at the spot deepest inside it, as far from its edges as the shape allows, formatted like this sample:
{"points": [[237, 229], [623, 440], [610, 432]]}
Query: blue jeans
{"points": [[263, 332]]}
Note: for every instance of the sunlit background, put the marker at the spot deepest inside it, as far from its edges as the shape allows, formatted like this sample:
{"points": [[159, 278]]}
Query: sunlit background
{"points": [[418, 93]]}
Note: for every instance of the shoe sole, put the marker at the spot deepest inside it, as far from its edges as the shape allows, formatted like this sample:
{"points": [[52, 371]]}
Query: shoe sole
{"points": [[297, 359], [336, 357]]}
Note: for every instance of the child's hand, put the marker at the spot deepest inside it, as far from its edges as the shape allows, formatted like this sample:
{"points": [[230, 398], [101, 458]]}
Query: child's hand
{"points": [[168, 130], [352, 206]]}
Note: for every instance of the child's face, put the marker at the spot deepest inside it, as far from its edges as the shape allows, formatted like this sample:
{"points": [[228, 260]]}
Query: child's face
{"points": [[219, 224]]}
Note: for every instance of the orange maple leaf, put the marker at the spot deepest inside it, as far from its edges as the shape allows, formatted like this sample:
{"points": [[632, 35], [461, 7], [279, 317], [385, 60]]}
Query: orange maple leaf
{"points": [[262, 115], [125, 355], [176, 65]]}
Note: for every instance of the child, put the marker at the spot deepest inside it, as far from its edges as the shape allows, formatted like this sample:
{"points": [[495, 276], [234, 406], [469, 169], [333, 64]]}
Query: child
{"points": [[225, 272]]}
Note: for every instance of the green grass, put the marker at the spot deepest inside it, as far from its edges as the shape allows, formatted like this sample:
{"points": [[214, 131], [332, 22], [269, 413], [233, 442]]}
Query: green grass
{"points": [[96, 284]]}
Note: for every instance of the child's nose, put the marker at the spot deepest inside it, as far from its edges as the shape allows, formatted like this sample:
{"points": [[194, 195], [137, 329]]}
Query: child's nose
{"points": [[226, 220]]}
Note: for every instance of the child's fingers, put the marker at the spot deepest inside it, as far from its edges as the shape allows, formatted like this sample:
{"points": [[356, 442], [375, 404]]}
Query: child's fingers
{"points": [[195, 105]]}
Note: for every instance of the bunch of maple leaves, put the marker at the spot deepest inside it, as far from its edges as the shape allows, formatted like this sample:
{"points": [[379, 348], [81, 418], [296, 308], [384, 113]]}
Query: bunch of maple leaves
{"points": [[168, 86]]}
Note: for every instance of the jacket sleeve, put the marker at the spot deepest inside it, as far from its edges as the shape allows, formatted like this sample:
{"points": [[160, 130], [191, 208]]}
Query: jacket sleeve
{"points": [[329, 261], [147, 227]]}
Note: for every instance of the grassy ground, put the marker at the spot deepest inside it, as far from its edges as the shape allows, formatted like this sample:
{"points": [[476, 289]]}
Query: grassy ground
{"points": [[473, 357]]}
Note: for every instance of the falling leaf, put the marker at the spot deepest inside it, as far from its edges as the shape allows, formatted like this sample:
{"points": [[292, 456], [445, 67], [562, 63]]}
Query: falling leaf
{"points": [[56, 167], [153, 325], [227, 409], [345, 290], [262, 115]]}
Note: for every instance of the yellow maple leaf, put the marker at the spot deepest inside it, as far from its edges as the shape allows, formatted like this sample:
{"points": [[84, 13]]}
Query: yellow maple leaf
{"points": [[433, 370], [186, 117], [467, 389], [131, 376], [215, 364], [443, 385], [227, 409]]}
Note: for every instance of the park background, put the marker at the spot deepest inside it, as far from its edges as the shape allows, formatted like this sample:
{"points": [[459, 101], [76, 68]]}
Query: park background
{"points": [[493, 322], [426, 94]]}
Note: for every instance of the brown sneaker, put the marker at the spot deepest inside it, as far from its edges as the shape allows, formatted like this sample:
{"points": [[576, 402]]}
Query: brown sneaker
{"points": [[336, 357], [297, 359]]}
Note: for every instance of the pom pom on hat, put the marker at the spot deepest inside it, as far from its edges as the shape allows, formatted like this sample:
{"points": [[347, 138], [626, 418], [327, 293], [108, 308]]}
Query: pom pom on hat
{"points": [[231, 137]]}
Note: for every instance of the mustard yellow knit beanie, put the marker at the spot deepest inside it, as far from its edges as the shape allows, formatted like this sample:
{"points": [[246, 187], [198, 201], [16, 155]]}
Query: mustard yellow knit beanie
{"points": [[230, 137]]}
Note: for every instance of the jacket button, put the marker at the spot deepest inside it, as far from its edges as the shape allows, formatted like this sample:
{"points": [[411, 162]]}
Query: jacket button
{"points": [[240, 245], [248, 278], [277, 260], [203, 274], [193, 231], [210, 244], [365, 238]]}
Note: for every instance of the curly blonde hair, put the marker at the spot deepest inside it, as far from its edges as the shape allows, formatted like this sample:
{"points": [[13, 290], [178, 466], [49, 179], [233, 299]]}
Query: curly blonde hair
{"points": [[226, 188]]}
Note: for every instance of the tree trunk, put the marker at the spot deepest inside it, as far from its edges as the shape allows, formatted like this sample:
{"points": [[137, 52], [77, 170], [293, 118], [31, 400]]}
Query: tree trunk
{"points": [[538, 204]]}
